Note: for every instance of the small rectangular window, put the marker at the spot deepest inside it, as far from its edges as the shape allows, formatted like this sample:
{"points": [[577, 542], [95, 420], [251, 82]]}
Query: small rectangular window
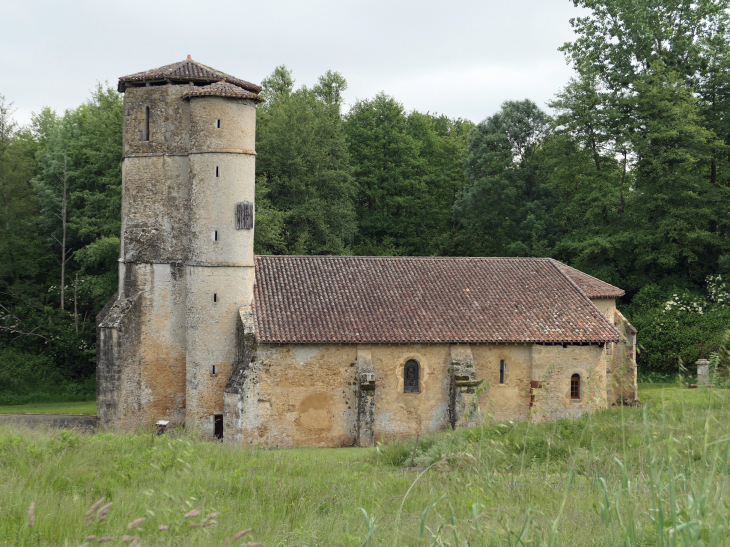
{"points": [[214, 370], [244, 215], [146, 128], [502, 368], [218, 426], [215, 235], [217, 173], [215, 297], [218, 124]]}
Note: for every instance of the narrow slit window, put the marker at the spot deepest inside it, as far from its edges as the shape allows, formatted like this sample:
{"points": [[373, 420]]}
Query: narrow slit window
{"points": [[215, 235], [218, 124], [215, 297], [410, 377], [575, 386], [502, 369], [217, 171], [214, 370], [146, 129], [218, 426]]}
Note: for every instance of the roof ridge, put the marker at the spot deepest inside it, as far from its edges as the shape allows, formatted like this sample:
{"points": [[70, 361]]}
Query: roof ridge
{"points": [[520, 258], [582, 292], [604, 290], [566, 276]]}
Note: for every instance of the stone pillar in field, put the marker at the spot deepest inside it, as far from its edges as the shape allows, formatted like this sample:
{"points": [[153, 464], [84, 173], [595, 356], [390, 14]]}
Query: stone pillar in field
{"points": [[703, 373]]}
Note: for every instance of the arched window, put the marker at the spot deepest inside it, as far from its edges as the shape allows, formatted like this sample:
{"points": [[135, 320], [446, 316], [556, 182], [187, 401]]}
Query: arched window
{"points": [[410, 377], [575, 386]]}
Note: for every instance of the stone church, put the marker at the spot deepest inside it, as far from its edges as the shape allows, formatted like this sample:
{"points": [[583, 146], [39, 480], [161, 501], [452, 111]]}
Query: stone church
{"points": [[284, 351]]}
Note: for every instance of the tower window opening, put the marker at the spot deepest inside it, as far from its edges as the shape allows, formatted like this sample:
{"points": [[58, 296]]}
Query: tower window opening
{"points": [[502, 369], [217, 171], [214, 370], [215, 235], [146, 129], [215, 297], [218, 124], [218, 426], [410, 376], [575, 386], [244, 215]]}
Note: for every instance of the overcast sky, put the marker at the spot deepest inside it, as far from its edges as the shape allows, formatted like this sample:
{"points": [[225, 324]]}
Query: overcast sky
{"points": [[461, 58]]}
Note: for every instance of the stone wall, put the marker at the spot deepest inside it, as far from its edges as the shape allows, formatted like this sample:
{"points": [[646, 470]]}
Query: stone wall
{"points": [[323, 395], [211, 337], [622, 371], [511, 400], [140, 355], [621, 357], [552, 369]]}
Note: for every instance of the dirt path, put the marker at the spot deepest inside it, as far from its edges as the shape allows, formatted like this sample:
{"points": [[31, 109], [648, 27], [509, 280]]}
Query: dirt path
{"points": [[61, 421]]}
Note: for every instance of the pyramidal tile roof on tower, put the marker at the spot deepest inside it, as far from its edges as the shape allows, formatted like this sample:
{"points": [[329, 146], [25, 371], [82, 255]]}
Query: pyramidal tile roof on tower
{"points": [[222, 89], [185, 71], [355, 299]]}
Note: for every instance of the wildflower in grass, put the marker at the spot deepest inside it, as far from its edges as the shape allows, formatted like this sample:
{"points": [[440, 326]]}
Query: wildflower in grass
{"points": [[31, 515], [104, 510], [132, 525], [193, 513], [93, 509]]}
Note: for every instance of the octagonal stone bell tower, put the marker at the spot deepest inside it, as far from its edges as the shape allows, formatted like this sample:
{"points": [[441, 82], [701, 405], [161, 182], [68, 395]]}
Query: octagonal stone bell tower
{"points": [[167, 339]]}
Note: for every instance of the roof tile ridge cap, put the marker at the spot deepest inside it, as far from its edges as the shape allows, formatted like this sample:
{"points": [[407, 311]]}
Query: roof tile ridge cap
{"points": [[592, 307], [566, 276], [592, 277], [206, 67]]}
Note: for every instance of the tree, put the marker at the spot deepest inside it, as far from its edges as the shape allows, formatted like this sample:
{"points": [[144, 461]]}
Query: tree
{"points": [[650, 89], [303, 163], [622, 39], [441, 143], [386, 163], [506, 206], [22, 256]]}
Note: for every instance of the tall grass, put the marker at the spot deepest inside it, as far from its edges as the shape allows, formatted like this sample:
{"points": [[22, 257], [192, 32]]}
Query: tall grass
{"points": [[656, 475]]}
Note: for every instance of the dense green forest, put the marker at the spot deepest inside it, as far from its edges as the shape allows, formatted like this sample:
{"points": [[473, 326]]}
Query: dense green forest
{"points": [[625, 176]]}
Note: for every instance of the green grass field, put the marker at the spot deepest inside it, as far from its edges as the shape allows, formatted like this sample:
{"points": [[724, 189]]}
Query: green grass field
{"points": [[656, 475], [83, 407]]}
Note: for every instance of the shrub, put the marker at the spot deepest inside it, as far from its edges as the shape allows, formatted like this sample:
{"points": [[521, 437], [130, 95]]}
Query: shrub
{"points": [[28, 378], [676, 323]]}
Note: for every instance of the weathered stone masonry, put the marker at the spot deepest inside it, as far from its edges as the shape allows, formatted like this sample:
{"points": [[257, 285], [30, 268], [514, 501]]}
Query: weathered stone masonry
{"points": [[167, 343], [320, 351]]}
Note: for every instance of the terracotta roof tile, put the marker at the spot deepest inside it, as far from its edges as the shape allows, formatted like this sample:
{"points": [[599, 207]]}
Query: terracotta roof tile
{"points": [[186, 71], [333, 299], [222, 89], [593, 287]]}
